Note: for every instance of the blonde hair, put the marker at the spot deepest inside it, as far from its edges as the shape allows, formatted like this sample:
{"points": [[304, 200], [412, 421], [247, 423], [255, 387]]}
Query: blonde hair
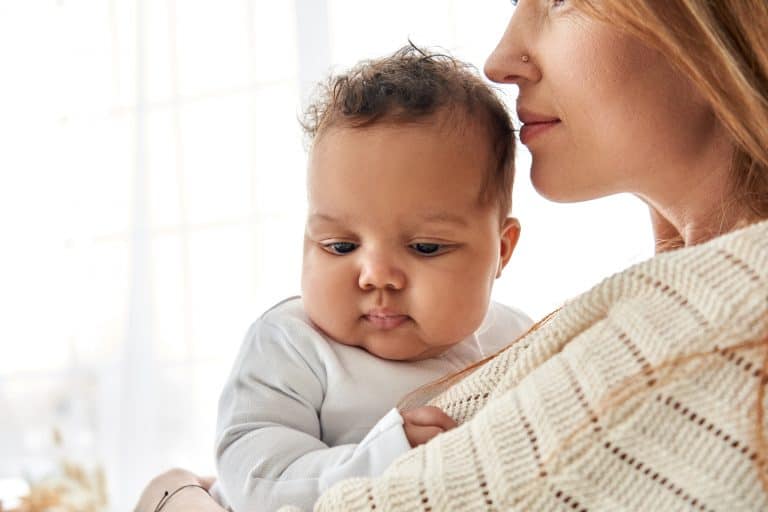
{"points": [[722, 47]]}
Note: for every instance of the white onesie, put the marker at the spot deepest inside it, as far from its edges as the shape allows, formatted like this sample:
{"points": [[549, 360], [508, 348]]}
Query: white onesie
{"points": [[301, 412]]}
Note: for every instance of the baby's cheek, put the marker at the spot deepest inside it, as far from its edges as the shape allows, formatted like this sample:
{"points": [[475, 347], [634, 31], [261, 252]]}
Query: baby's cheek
{"points": [[471, 306], [329, 320], [455, 317], [325, 303]]}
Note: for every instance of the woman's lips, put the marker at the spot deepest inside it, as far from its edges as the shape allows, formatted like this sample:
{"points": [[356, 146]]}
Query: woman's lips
{"points": [[386, 322], [534, 123], [531, 130]]}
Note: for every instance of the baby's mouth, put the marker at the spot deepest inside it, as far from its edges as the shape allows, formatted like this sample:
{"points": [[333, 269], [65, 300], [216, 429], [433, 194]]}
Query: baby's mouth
{"points": [[385, 320]]}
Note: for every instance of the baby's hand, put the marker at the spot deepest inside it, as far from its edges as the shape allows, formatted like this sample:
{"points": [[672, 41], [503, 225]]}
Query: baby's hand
{"points": [[424, 423]]}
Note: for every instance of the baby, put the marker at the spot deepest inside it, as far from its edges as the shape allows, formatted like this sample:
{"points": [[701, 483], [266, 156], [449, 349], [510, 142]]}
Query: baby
{"points": [[409, 187]]}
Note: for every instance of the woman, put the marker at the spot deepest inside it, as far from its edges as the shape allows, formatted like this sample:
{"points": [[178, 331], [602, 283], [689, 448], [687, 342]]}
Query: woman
{"points": [[647, 392]]}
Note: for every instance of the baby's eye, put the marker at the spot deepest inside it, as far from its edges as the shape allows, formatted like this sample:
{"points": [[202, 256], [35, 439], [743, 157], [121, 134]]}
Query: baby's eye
{"points": [[426, 248], [340, 247]]}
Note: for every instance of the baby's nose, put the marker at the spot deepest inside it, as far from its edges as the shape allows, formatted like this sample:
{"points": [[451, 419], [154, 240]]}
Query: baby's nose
{"points": [[378, 273]]}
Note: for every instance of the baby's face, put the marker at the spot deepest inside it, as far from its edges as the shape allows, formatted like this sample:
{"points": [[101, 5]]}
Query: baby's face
{"points": [[399, 254]]}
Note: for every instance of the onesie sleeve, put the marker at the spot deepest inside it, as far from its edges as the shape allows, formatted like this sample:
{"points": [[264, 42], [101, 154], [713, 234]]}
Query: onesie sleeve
{"points": [[269, 450]]}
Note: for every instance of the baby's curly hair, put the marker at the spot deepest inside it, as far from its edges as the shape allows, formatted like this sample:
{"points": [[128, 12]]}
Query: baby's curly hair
{"points": [[410, 86]]}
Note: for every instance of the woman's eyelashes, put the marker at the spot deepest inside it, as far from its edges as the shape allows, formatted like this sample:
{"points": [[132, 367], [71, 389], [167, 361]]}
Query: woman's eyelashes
{"points": [[554, 3]]}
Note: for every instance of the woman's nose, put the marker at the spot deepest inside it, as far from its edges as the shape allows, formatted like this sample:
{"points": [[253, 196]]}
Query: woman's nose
{"points": [[379, 272], [511, 62]]}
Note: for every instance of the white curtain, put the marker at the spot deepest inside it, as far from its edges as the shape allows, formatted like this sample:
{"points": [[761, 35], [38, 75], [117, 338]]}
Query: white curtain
{"points": [[151, 206]]}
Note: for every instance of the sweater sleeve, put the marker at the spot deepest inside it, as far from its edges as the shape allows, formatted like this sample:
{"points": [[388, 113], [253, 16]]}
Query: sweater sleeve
{"points": [[269, 449]]}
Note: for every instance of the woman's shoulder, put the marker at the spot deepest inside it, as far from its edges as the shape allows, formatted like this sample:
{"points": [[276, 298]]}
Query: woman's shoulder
{"points": [[689, 301], [725, 268]]}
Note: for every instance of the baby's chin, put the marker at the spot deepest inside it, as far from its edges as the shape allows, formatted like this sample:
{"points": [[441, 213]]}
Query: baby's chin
{"points": [[380, 348], [407, 351], [386, 345]]}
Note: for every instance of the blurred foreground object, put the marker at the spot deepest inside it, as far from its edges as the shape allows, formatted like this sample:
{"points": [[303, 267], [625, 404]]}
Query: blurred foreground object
{"points": [[70, 487]]}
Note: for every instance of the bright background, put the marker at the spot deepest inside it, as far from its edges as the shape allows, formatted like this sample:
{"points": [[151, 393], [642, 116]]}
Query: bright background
{"points": [[151, 206]]}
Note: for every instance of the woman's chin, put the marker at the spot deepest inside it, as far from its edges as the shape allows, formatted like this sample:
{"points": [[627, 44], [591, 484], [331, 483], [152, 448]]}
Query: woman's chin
{"points": [[554, 190], [553, 187]]}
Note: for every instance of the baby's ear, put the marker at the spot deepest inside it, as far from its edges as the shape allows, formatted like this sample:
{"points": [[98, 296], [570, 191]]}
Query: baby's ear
{"points": [[510, 233]]}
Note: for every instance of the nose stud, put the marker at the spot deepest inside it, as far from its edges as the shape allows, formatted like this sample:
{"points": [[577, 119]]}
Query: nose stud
{"points": [[526, 58]]}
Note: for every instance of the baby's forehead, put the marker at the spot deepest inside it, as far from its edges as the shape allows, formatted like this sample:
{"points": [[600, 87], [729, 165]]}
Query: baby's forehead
{"points": [[452, 131], [393, 146], [411, 164]]}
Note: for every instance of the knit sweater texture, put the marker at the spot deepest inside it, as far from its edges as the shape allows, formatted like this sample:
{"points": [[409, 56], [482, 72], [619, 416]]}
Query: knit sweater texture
{"points": [[640, 394]]}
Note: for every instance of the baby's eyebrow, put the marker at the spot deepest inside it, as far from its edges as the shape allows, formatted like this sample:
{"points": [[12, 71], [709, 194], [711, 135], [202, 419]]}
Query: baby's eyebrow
{"points": [[444, 218], [324, 217]]}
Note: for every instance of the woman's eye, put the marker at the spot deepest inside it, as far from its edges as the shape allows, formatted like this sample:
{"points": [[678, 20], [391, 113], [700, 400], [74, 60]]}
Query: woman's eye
{"points": [[555, 3], [340, 247], [427, 249]]}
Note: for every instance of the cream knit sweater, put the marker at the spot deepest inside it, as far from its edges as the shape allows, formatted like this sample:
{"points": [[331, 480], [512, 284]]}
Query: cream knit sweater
{"points": [[589, 412]]}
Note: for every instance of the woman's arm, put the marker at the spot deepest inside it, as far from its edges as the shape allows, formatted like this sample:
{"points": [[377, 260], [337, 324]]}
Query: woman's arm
{"points": [[189, 499]]}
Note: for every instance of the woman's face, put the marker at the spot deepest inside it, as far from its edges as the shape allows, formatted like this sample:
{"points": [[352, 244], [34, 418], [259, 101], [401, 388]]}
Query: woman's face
{"points": [[601, 112]]}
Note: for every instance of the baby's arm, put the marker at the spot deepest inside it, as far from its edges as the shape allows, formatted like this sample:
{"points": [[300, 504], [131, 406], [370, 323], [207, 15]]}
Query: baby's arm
{"points": [[269, 451]]}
